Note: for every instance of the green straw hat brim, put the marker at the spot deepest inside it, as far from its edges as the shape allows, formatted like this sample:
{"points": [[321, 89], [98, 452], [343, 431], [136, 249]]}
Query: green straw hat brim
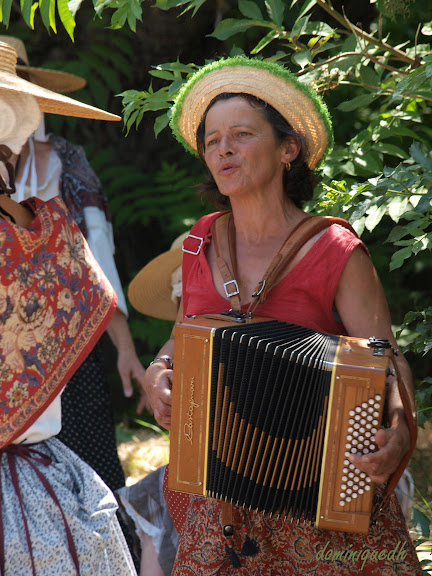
{"points": [[297, 102]]}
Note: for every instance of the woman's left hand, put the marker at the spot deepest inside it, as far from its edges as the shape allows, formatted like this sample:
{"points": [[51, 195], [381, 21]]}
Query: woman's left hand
{"points": [[392, 445]]}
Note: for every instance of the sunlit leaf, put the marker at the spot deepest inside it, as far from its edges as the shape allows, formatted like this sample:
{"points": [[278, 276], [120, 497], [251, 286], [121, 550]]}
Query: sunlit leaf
{"points": [[26, 10], [427, 29], [66, 17], [74, 6], [47, 10], [272, 35], [397, 207], [306, 7], [302, 58]]}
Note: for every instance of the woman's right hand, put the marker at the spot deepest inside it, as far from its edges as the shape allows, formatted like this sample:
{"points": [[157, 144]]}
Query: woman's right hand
{"points": [[157, 386], [158, 380]]}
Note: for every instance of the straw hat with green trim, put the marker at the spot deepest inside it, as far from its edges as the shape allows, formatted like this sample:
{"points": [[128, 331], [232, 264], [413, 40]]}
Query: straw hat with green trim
{"points": [[48, 101], [297, 102], [55, 80], [153, 290]]}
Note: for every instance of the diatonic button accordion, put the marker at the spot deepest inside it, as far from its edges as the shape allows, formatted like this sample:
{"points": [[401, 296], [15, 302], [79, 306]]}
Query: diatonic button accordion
{"points": [[265, 415]]}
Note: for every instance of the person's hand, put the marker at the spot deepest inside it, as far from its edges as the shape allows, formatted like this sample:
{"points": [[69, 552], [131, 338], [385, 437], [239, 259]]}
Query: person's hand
{"points": [[157, 385], [392, 444], [131, 369]]}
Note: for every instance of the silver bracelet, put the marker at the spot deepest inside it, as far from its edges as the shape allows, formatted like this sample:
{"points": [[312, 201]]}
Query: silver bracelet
{"points": [[165, 359]]}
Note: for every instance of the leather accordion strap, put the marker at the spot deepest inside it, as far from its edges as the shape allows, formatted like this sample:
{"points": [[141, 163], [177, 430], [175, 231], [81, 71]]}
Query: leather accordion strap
{"points": [[408, 403], [305, 230], [223, 258], [223, 234]]}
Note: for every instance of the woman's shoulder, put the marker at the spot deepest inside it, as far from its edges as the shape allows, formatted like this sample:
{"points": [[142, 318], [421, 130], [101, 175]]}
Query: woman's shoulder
{"points": [[202, 226], [344, 236]]}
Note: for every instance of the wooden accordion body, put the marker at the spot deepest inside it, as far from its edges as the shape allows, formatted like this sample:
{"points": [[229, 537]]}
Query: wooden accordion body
{"points": [[265, 413]]}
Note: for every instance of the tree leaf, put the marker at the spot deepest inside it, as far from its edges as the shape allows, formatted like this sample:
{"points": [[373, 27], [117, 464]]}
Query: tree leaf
{"points": [[357, 102], [47, 10], [390, 149], [397, 207], [74, 6], [164, 74], [161, 122], [319, 29], [302, 58], [369, 76], [250, 9], [299, 26], [399, 257], [66, 17], [306, 7], [231, 26], [375, 217], [396, 234], [5, 10], [420, 520], [427, 29], [269, 37], [276, 9], [26, 10], [421, 158], [369, 163]]}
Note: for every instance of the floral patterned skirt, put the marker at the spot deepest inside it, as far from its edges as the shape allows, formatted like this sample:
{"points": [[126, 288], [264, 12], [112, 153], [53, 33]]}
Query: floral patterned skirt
{"points": [[87, 505], [288, 548]]}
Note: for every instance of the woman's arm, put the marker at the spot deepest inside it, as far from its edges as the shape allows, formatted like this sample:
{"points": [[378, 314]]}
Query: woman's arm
{"points": [[362, 306], [128, 363], [158, 380]]}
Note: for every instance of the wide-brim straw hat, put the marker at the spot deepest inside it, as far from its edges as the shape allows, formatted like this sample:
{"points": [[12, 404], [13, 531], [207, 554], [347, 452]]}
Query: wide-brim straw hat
{"points": [[150, 291], [55, 80], [296, 101], [48, 101]]}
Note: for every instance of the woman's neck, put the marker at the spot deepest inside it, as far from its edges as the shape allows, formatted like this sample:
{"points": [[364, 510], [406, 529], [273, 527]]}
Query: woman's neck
{"points": [[256, 222]]}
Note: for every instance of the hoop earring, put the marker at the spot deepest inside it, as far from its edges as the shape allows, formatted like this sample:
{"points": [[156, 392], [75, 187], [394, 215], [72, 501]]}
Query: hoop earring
{"points": [[288, 166]]}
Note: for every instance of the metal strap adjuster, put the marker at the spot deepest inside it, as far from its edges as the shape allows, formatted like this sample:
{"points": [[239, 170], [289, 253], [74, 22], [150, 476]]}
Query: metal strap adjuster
{"points": [[199, 247], [236, 288], [255, 294]]}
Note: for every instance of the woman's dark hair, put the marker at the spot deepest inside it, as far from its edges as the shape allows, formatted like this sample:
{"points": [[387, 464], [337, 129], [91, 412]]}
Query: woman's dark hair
{"points": [[298, 183]]}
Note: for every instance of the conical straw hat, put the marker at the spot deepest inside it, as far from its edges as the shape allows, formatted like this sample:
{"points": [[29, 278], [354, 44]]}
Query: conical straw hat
{"points": [[151, 289], [55, 80], [48, 101]]}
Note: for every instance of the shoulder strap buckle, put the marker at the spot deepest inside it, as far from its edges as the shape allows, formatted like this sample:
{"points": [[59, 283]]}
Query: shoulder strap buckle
{"points": [[194, 253]]}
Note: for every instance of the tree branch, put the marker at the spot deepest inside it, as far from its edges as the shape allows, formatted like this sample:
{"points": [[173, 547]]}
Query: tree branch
{"points": [[343, 21]]}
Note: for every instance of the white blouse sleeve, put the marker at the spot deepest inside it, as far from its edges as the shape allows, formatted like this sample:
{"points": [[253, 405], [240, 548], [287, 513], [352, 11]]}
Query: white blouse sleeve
{"points": [[101, 242]]}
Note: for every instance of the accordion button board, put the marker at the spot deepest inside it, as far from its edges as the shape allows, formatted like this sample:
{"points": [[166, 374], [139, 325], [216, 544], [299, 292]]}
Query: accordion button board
{"points": [[265, 415]]}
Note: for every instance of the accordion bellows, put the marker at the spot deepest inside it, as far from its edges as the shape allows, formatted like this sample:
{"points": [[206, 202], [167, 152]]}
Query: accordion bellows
{"points": [[265, 414]]}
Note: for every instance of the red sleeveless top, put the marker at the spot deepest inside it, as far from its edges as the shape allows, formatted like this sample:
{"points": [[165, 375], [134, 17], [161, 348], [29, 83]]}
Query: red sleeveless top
{"points": [[304, 296]]}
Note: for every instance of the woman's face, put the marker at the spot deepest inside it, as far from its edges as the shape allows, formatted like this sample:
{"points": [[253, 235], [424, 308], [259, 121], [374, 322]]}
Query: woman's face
{"points": [[241, 150]]}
